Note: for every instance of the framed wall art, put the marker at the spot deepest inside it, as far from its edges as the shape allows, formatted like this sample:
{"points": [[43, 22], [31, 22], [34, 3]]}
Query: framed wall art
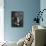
{"points": [[17, 18]]}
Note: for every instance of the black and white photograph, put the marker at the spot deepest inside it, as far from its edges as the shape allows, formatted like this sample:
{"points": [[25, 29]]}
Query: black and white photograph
{"points": [[17, 18]]}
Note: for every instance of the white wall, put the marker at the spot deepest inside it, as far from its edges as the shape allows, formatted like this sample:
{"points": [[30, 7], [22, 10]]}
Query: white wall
{"points": [[1, 21], [43, 6]]}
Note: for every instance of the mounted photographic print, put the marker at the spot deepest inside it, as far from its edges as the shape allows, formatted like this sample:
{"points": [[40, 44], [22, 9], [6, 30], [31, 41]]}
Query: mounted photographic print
{"points": [[17, 18]]}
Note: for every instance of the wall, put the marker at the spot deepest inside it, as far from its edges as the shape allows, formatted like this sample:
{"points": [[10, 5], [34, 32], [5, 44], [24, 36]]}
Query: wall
{"points": [[1, 24], [43, 6], [29, 7], [1, 21]]}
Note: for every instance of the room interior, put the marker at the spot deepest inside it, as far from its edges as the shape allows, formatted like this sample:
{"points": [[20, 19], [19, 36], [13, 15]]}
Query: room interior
{"points": [[16, 35]]}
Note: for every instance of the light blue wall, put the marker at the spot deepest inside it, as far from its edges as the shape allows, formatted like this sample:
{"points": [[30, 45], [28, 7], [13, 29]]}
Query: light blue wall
{"points": [[29, 7], [43, 6]]}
